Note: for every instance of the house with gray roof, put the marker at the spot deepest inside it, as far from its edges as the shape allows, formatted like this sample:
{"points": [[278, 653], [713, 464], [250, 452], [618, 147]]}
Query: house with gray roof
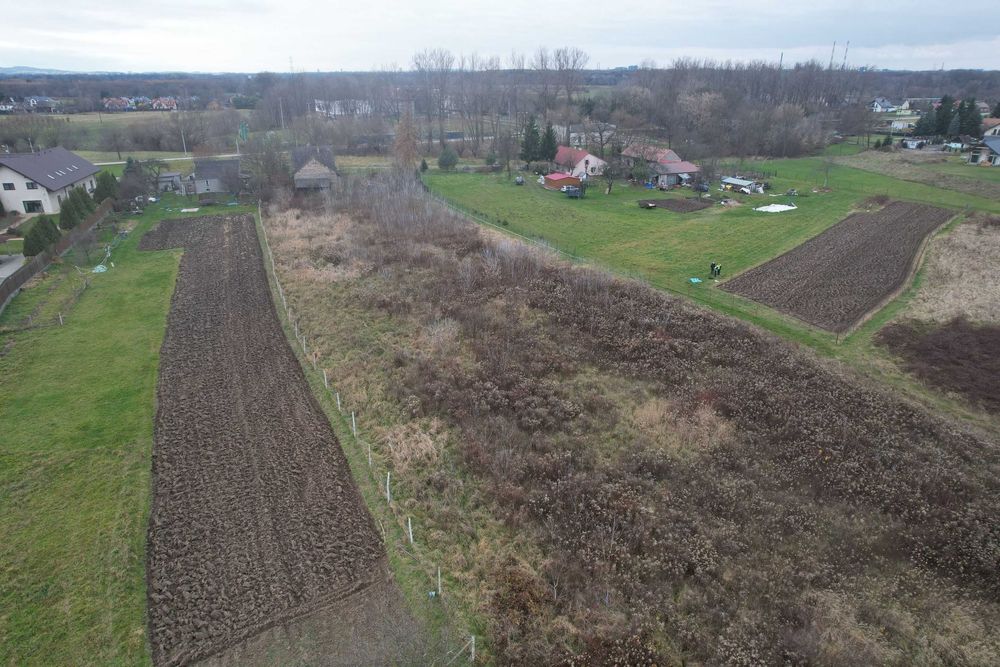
{"points": [[39, 182], [217, 176]]}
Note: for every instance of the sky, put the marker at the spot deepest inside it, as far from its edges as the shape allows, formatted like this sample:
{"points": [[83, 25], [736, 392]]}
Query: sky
{"points": [[270, 35]]}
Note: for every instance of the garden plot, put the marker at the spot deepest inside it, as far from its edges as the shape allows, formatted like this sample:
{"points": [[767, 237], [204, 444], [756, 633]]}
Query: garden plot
{"points": [[837, 278], [255, 517]]}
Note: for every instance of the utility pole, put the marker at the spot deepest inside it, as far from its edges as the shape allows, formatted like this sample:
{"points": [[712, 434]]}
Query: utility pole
{"points": [[832, 52]]}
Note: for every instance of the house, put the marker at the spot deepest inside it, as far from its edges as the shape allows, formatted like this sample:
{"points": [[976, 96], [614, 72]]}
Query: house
{"points": [[115, 104], [313, 167], [40, 103], [164, 104], [902, 124], [217, 176], [882, 105], [665, 167], [919, 103], [579, 163], [991, 127], [557, 180], [39, 182], [169, 181], [582, 135], [8, 105], [988, 154]]}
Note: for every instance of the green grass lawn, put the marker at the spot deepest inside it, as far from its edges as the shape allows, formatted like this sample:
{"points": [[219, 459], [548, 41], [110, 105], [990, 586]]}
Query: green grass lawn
{"points": [[112, 156], [76, 414], [667, 249], [12, 247]]}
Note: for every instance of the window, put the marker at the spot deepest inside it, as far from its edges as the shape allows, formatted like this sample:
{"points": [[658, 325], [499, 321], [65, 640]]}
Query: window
{"points": [[31, 185], [8, 186]]}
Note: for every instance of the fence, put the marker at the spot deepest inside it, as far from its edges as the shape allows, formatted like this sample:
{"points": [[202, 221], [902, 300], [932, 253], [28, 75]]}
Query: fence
{"points": [[350, 423], [16, 280]]}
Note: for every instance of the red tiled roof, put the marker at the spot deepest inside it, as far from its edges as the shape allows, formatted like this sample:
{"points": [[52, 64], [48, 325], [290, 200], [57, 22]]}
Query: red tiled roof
{"points": [[570, 157], [990, 123]]}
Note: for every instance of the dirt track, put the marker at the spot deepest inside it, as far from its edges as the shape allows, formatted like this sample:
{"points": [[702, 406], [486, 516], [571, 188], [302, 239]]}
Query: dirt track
{"points": [[836, 279], [255, 517]]}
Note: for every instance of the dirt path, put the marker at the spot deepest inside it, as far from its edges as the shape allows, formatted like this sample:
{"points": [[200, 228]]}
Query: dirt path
{"points": [[255, 520]]}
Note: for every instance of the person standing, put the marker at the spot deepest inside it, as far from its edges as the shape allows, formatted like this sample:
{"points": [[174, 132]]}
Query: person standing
{"points": [[711, 270]]}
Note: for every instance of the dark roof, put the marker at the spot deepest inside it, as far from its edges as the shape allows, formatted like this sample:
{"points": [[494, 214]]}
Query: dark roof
{"points": [[220, 169], [993, 143], [52, 168], [322, 154]]}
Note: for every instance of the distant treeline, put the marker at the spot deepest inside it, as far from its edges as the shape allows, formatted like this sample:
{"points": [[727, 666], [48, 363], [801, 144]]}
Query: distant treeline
{"points": [[699, 108]]}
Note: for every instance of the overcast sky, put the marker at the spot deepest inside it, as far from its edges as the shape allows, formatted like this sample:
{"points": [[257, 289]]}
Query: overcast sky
{"points": [[257, 35]]}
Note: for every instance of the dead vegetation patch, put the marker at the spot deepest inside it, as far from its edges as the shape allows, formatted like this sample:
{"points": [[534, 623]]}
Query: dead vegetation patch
{"points": [[675, 485], [958, 357]]}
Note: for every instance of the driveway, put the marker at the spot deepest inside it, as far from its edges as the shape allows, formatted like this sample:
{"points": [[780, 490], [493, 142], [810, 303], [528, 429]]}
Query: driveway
{"points": [[9, 264]]}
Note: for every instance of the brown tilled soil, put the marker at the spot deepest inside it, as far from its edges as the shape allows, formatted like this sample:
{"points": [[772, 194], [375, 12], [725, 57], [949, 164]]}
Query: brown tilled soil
{"points": [[677, 205], [958, 356], [835, 279], [255, 518]]}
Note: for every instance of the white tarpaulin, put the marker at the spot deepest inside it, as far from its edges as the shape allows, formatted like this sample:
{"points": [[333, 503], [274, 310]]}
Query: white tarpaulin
{"points": [[776, 208]]}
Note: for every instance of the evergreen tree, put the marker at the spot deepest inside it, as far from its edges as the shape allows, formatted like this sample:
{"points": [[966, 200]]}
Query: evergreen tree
{"points": [[448, 158], [107, 186], [996, 111], [423, 164], [944, 114], [954, 126], [70, 214], [41, 235], [970, 122], [927, 125], [531, 143], [549, 145]]}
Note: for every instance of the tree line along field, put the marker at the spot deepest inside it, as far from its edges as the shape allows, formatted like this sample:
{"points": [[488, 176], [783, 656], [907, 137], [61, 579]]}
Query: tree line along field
{"points": [[619, 474]]}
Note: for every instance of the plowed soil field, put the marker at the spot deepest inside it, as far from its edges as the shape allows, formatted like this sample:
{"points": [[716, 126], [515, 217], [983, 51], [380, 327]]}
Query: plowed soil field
{"points": [[836, 279], [255, 517], [677, 205]]}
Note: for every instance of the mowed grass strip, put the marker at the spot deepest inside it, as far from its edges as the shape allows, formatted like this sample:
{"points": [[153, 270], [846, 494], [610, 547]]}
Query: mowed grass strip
{"points": [[76, 418]]}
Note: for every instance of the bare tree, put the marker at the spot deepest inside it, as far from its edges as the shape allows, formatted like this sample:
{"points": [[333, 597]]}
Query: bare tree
{"points": [[406, 145]]}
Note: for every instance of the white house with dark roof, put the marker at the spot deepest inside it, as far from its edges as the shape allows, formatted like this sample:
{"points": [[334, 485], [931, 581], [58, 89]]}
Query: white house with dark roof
{"points": [[39, 182]]}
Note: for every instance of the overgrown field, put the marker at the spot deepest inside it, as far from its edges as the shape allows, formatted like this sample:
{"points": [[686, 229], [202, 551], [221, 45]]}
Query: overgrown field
{"points": [[942, 170], [617, 474], [948, 336], [836, 278]]}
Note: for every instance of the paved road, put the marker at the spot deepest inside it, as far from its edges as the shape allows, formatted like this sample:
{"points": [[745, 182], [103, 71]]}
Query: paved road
{"points": [[9, 264], [169, 159]]}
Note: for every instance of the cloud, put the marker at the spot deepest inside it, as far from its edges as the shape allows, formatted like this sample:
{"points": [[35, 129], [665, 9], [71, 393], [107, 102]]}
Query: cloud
{"points": [[254, 35]]}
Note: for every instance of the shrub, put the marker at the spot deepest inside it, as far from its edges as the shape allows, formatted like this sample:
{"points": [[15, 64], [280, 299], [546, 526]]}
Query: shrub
{"points": [[41, 235], [448, 158], [491, 160], [70, 214]]}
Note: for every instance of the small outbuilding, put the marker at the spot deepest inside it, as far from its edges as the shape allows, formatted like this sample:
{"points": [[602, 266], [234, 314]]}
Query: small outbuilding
{"points": [[557, 180], [313, 176], [169, 181]]}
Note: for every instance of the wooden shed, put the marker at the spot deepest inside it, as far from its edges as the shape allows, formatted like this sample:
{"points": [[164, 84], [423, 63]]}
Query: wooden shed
{"points": [[557, 180]]}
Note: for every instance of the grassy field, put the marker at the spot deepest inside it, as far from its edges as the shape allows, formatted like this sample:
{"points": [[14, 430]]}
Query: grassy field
{"points": [[112, 156], [12, 247], [76, 413], [667, 249]]}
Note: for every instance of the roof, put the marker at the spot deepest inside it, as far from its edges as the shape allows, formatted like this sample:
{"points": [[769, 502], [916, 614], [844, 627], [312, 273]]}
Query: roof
{"points": [[570, 157], [729, 180], [52, 168], [677, 168], [205, 169], [170, 174], [313, 169], [993, 143], [989, 123], [322, 154], [559, 176], [651, 153]]}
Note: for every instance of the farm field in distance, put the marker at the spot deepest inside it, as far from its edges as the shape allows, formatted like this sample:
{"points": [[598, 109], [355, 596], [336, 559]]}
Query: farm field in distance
{"points": [[837, 277]]}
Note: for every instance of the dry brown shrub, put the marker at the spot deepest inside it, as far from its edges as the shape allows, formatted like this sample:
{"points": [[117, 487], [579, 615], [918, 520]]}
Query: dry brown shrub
{"points": [[662, 421], [414, 443]]}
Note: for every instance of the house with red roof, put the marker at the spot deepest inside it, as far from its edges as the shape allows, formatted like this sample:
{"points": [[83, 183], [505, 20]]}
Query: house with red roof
{"points": [[579, 163], [991, 127], [664, 166]]}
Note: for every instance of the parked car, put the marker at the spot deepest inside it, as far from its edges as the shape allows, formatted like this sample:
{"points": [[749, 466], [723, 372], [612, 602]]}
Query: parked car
{"points": [[701, 187], [572, 191]]}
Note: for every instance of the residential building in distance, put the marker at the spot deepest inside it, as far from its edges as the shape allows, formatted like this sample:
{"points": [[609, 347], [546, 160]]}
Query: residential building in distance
{"points": [[39, 182], [882, 105], [665, 167], [579, 163]]}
